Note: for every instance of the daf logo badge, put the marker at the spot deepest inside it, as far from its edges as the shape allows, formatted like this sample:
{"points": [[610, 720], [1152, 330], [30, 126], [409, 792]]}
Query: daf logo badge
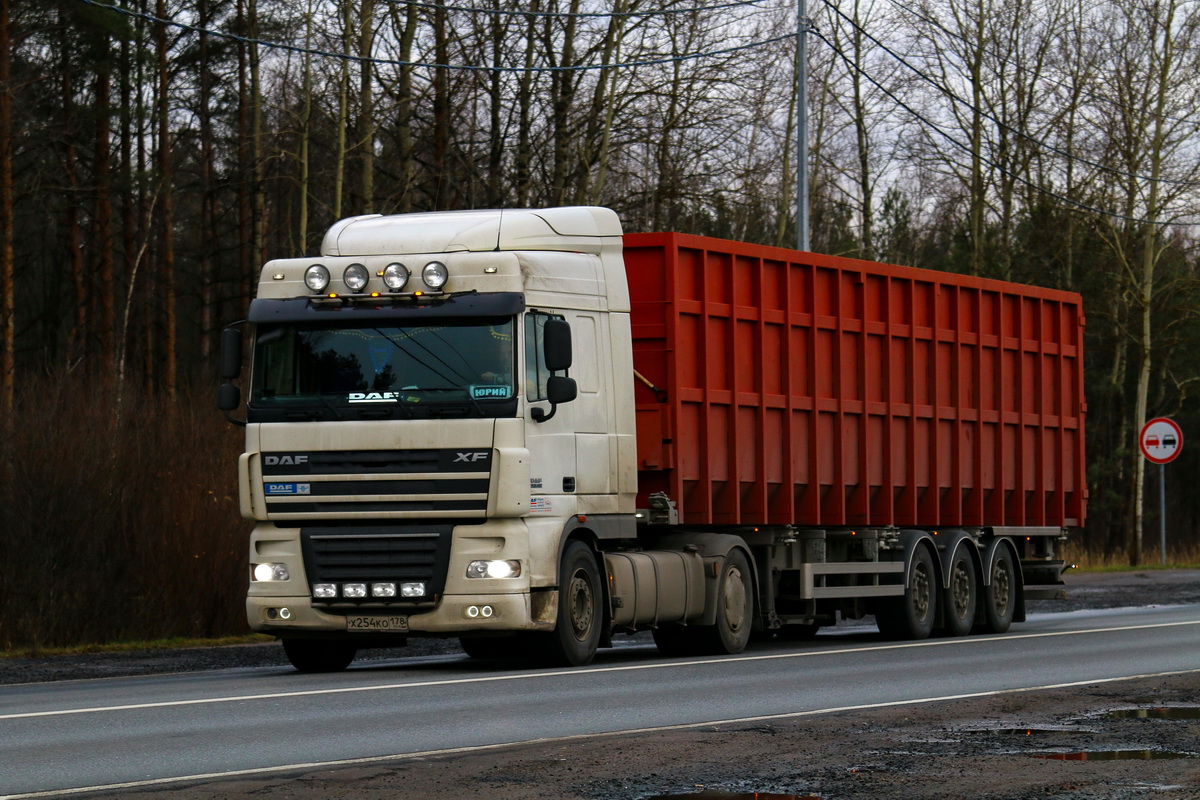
{"points": [[275, 461]]}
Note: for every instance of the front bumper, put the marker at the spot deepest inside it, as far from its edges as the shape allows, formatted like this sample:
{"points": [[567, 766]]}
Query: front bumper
{"points": [[510, 612]]}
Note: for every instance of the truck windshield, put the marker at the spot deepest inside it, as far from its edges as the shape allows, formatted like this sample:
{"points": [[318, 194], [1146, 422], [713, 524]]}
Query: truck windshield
{"points": [[468, 364]]}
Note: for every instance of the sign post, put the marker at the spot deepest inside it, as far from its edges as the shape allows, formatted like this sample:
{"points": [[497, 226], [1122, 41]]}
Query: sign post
{"points": [[1161, 440]]}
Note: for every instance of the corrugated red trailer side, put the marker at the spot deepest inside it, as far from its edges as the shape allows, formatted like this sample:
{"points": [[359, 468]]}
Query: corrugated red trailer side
{"points": [[805, 389]]}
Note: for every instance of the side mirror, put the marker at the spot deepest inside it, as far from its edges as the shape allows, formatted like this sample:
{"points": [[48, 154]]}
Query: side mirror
{"points": [[556, 344], [229, 397], [559, 389], [231, 354]]}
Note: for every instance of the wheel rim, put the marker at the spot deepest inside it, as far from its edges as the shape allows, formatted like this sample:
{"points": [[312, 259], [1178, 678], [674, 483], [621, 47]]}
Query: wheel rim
{"points": [[960, 590], [920, 590], [1001, 587], [580, 601], [734, 599]]}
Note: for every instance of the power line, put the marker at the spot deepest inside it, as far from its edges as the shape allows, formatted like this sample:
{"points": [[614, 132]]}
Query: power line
{"points": [[929, 21], [424, 64], [504, 12], [984, 159], [1015, 131]]}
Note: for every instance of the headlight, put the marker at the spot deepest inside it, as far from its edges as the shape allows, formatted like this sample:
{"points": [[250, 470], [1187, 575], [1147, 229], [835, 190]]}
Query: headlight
{"points": [[270, 572], [435, 275], [325, 591], [354, 590], [494, 569], [395, 276], [383, 590], [355, 277], [412, 589], [316, 278]]}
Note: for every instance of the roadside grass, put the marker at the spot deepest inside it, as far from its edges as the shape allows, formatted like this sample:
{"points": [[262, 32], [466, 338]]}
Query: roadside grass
{"points": [[173, 643], [1178, 558]]}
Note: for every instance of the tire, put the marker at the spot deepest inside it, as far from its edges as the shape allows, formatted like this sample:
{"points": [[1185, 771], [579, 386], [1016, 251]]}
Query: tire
{"points": [[1000, 595], [319, 655], [576, 635], [912, 615], [735, 617], [490, 647], [961, 595]]}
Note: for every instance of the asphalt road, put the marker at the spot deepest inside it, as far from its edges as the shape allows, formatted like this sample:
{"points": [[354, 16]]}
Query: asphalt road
{"points": [[145, 730]]}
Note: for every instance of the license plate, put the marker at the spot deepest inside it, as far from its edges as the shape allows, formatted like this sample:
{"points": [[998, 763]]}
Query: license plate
{"points": [[377, 624]]}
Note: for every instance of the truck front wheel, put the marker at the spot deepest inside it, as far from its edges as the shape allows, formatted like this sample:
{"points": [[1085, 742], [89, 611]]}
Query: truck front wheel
{"points": [[580, 617], [314, 655]]}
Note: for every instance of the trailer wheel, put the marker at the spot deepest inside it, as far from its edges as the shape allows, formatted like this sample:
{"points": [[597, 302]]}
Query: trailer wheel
{"points": [[912, 615], [960, 595], [319, 655], [580, 617], [1000, 596]]}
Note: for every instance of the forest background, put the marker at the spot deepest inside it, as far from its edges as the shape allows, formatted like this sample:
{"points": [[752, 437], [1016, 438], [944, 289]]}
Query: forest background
{"points": [[154, 153]]}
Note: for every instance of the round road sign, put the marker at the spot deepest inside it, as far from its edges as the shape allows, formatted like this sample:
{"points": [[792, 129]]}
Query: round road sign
{"points": [[1161, 440]]}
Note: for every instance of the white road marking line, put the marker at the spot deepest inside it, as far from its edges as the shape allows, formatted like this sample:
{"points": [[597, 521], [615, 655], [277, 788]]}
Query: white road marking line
{"points": [[241, 773], [568, 673]]}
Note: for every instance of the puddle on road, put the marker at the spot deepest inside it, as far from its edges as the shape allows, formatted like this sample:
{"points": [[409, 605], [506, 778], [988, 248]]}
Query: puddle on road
{"points": [[1114, 755], [1033, 731], [716, 795], [1161, 712]]}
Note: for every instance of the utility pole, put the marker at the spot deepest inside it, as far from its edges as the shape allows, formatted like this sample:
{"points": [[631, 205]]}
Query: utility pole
{"points": [[802, 26]]}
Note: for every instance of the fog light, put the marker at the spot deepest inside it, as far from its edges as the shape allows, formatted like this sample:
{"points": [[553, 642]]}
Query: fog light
{"points": [[383, 590], [494, 569], [413, 589], [477, 612], [270, 572], [285, 613], [324, 590], [354, 590]]}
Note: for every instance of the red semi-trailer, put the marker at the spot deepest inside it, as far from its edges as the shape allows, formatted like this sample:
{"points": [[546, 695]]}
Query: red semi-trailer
{"points": [[695, 436]]}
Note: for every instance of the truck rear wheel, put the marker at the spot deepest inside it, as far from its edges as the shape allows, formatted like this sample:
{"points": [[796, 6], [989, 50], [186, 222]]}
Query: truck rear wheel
{"points": [[1000, 595], [317, 655], [580, 617], [912, 615], [735, 617], [960, 595]]}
